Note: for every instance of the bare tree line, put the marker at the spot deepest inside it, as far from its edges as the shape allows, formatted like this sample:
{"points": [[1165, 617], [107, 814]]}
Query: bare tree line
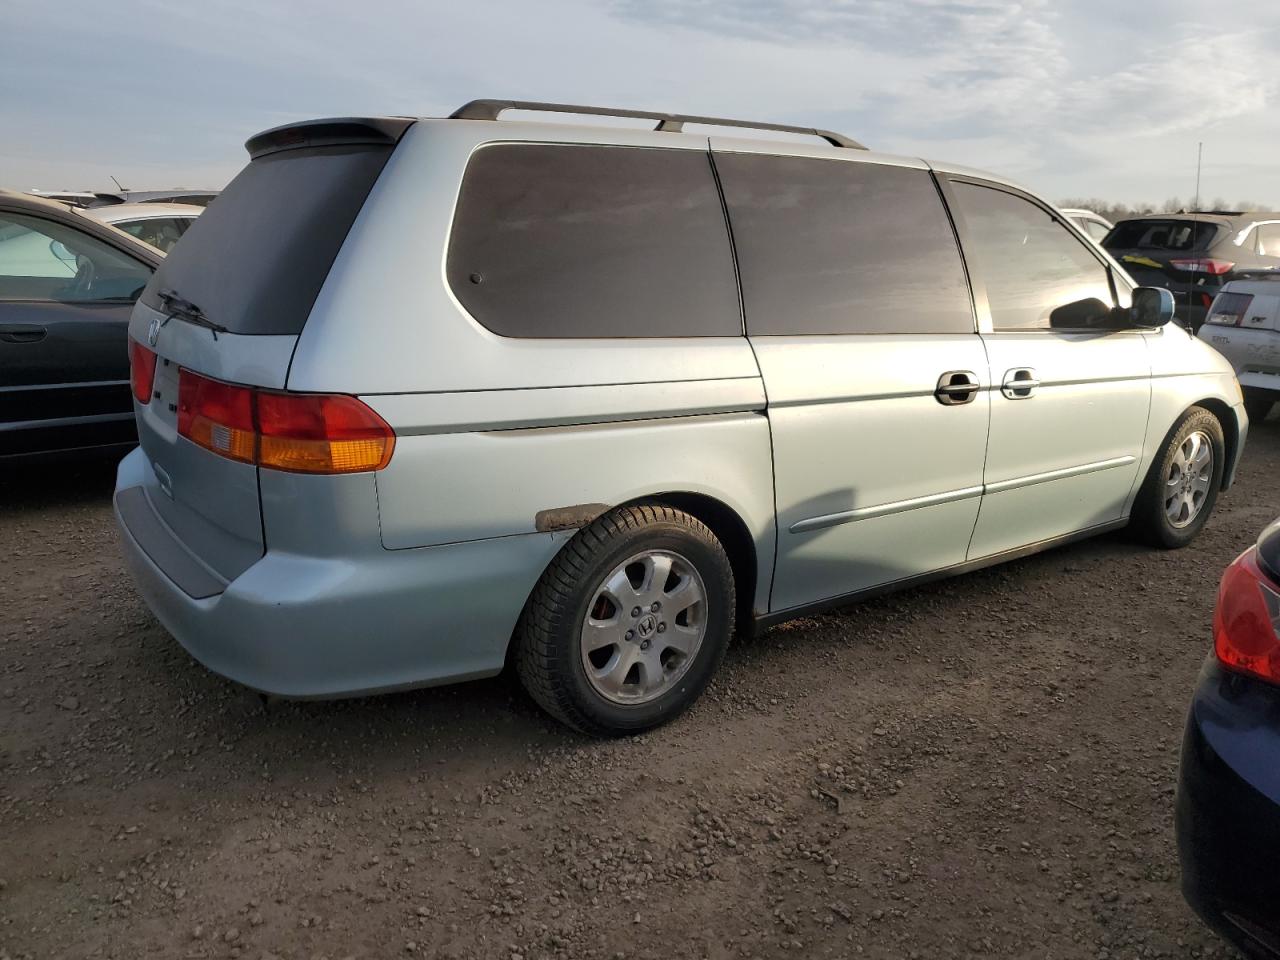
{"points": [[1119, 211]]}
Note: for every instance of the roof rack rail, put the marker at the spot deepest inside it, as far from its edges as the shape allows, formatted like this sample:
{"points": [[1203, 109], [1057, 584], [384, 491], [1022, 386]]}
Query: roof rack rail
{"points": [[667, 122]]}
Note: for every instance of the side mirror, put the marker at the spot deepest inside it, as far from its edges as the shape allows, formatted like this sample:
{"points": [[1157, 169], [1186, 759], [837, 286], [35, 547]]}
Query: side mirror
{"points": [[1152, 307]]}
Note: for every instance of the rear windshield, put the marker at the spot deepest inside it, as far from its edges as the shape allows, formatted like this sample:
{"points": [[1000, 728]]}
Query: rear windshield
{"points": [[1171, 234], [256, 259]]}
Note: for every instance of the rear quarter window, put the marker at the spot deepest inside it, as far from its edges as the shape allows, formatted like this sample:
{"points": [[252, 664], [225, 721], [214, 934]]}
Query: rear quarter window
{"points": [[561, 240]]}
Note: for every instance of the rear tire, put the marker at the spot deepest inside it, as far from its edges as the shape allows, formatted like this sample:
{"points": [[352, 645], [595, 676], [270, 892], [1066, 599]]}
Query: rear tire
{"points": [[629, 622], [1258, 405], [1181, 488]]}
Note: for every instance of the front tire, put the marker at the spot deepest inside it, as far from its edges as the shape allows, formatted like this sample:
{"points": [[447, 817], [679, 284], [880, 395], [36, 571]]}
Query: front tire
{"points": [[1182, 486], [630, 621]]}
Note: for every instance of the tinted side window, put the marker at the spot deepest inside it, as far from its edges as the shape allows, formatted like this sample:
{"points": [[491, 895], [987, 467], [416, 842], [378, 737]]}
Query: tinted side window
{"points": [[830, 246], [1036, 272], [44, 260], [556, 240], [1269, 239]]}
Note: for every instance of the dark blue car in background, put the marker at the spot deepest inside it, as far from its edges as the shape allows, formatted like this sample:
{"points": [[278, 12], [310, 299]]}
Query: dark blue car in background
{"points": [[1228, 813]]}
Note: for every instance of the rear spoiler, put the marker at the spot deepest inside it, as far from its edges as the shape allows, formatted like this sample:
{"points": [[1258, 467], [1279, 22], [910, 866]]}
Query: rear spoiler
{"points": [[339, 131]]}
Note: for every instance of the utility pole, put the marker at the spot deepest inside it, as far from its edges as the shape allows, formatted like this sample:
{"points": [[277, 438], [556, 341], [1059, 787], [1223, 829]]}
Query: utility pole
{"points": [[1199, 158]]}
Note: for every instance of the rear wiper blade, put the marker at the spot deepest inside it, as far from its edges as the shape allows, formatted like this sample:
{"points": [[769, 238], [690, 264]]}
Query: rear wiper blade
{"points": [[176, 306]]}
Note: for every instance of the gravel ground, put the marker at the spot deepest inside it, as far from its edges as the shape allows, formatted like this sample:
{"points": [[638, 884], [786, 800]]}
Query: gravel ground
{"points": [[981, 767]]}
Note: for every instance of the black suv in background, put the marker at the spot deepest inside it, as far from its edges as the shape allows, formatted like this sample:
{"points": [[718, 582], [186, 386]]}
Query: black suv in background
{"points": [[1194, 254]]}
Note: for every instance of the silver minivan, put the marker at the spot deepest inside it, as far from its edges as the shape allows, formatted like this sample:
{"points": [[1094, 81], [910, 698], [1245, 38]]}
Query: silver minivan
{"points": [[417, 398]]}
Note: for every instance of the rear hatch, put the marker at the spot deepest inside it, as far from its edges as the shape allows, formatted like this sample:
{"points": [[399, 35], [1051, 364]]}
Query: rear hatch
{"points": [[229, 303], [1174, 252]]}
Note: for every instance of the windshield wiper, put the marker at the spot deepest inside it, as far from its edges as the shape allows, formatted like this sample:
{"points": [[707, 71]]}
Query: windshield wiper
{"points": [[176, 306]]}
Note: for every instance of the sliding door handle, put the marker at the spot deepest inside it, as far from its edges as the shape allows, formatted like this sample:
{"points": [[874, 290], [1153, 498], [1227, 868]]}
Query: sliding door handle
{"points": [[956, 387], [1019, 383]]}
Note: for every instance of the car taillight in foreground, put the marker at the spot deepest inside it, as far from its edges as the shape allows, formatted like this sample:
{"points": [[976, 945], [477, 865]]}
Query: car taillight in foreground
{"points": [[1246, 623], [296, 432], [1230, 309], [142, 371], [1203, 265]]}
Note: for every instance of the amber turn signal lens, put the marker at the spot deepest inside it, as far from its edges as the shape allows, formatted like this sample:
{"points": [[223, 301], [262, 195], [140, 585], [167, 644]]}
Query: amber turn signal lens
{"points": [[297, 432], [321, 433]]}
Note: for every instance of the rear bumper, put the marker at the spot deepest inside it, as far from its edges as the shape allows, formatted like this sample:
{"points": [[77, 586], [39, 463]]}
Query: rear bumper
{"points": [[308, 626], [1228, 809], [1261, 383]]}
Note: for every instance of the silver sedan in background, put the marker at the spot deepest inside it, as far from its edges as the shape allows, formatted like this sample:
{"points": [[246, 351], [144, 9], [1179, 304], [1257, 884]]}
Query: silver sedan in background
{"points": [[159, 224]]}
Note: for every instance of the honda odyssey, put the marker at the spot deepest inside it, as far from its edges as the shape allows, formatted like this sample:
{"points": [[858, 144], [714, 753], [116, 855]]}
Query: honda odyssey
{"points": [[417, 398]]}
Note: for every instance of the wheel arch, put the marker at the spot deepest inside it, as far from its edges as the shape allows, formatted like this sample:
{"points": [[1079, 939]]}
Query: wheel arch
{"points": [[1230, 433], [723, 520], [732, 532]]}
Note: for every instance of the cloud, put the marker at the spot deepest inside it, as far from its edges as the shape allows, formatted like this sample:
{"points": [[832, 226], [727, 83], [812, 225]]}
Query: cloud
{"points": [[947, 59], [1090, 97], [1188, 84], [912, 25]]}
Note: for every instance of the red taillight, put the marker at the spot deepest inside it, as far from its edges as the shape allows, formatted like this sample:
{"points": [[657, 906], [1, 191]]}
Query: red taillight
{"points": [[1203, 265], [217, 416], [142, 371], [1245, 622], [297, 432], [321, 433]]}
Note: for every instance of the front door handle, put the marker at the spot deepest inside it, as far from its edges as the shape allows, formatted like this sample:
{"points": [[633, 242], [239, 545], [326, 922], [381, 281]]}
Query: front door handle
{"points": [[956, 387], [1019, 383], [22, 332]]}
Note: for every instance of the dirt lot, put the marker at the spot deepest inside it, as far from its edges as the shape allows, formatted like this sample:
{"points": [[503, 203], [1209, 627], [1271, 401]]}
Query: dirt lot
{"points": [[983, 767]]}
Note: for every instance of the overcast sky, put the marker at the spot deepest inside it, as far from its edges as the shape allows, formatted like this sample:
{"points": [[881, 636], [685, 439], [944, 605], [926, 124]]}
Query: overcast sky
{"points": [[1074, 97]]}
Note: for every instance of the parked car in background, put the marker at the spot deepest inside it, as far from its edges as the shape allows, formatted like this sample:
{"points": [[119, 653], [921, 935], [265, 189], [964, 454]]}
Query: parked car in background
{"points": [[1094, 225], [197, 198], [1243, 324], [107, 198], [1228, 806], [76, 198], [1195, 254], [704, 433], [67, 286], [159, 224]]}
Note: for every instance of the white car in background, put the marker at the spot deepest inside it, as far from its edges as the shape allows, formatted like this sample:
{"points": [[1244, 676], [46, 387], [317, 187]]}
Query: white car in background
{"points": [[159, 224], [1243, 324], [1094, 225]]}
